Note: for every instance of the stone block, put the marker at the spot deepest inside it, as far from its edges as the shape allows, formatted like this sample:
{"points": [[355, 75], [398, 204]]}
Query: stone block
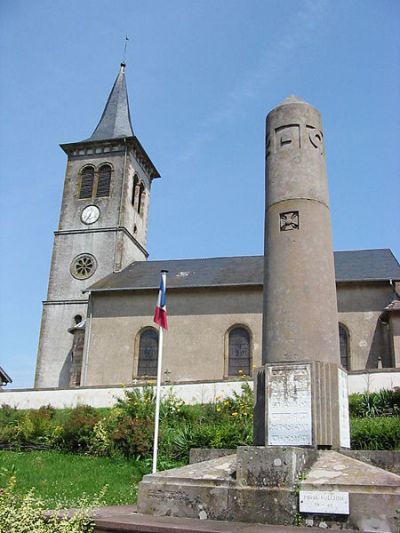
{"points": [[301, 403], [272, 466], [198, 455]]}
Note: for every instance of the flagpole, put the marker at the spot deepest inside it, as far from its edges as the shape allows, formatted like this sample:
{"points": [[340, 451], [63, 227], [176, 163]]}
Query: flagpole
{"points": [[158, 394], [161, 320]]}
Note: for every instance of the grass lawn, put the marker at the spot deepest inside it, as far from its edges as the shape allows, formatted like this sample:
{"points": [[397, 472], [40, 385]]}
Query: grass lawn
{"points": [[63, 478]]}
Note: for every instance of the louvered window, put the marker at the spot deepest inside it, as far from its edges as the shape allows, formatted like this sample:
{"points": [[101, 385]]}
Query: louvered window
{"points": [[148, 353], [87, 179], [103, 186], [344, 347], [239, 352], [141, 198], [134, 189]]}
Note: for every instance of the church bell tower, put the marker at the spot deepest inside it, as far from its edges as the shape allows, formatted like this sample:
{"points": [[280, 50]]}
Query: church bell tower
{"points": [[102, 228]]}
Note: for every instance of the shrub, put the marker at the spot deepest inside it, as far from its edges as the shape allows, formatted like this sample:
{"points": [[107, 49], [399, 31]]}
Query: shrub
{"points": [[138, 403], [383, 403], [378, 433], [133, 437], [22, 513], [78, 428]]}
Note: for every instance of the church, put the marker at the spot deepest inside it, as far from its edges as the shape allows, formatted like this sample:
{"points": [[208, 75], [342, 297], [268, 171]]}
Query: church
{"points": [[97, 324]]}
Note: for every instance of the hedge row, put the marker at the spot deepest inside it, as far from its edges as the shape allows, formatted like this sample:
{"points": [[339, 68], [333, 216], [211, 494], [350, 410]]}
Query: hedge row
{"points": [[127, 428]]}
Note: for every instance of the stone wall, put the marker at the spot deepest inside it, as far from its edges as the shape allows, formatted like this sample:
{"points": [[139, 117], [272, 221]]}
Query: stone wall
{"points": [[196, 392], [195, 347]]}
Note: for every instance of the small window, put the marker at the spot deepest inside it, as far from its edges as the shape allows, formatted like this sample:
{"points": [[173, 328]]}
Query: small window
{"points": [[103, 186], [134, 189], [148, 353], [344, 347], [141, 198], [77, 319], [87, 179], [239, 352]]}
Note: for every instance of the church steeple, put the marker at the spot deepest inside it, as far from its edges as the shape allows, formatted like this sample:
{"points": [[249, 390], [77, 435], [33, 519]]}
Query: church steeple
{"points": [[115, 122]]}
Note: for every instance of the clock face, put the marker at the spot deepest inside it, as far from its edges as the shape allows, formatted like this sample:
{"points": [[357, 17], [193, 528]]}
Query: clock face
{"points": [[90, 214]]}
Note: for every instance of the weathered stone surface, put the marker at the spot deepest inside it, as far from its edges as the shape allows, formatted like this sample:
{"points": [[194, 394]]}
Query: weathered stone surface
{"points": [[289, 407], [320, 393], [272, 466], [374, 493], [299, 278], [198, 455], [209, 489], [386, 459]]}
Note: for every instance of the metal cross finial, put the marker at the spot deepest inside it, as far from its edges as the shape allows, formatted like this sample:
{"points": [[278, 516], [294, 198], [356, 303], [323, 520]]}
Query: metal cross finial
{"points": [[125, 46]]}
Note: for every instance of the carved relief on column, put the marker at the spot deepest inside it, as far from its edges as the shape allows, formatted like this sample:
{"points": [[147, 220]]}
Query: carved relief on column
{"points": [[294, 137]]}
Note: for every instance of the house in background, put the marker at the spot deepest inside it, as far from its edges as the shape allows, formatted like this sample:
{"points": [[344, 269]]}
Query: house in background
{"points": [[4, 378]]}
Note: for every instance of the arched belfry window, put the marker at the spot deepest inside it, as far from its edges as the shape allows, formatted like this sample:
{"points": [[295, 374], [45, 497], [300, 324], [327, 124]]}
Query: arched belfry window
{"points": [[87, 180], [239, 351], [148, 353], [103, 185], [135, 189], [141, 198], [344, 347]]}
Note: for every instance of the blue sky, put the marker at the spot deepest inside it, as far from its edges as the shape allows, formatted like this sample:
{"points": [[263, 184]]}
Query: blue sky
{"points": [[201, 76]]}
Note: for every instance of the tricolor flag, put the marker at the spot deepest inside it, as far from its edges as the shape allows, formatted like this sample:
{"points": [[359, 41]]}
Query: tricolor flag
{"points": [[160, 313]]}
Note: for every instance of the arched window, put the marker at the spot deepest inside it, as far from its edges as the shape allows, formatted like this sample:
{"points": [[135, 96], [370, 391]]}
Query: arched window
{"points": [[103, 185], [344, 347], [239, 352], [87, 179], [141, 198], [134, 189], [148, 353]]}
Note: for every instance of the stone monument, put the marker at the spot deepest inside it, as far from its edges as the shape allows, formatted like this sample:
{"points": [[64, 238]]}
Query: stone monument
{"points": [[306, 388], [301, 420]]}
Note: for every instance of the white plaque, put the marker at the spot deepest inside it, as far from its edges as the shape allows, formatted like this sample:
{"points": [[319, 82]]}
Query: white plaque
{"points": [[324, 502], [344, 421], [289, 405]]}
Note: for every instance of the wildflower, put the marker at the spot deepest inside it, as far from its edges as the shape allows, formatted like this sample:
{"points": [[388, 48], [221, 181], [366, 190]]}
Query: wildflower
{"points": [[218, 409], [234, 413]]}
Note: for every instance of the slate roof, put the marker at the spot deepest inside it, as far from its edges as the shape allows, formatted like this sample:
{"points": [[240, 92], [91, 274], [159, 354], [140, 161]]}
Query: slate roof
{"points": [[4, 377], [360, 265], [115, 122]]}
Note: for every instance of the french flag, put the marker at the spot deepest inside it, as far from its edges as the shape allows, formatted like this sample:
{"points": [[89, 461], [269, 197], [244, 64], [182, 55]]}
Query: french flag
{"points": [[160, 313]]}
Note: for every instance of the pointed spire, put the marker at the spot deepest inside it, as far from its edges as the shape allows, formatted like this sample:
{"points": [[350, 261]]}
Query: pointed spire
{"points": [[115, 121]]}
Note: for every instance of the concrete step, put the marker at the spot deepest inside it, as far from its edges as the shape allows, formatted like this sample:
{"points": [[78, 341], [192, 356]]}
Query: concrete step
{"points": [[125, 519]]}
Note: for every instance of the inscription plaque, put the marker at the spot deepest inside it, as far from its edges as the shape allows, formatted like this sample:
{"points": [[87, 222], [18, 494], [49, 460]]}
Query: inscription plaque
{"points": [[289, 405], [324, 501], [344, 421]]}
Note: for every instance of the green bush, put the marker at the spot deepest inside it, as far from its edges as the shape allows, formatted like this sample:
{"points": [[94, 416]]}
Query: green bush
{"points": [[383, 403], [133, 437], [375, 433], [78, 430], [23, 513]]}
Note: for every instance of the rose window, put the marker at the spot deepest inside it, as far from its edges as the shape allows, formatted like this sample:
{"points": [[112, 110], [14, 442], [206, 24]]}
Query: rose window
{"points": [[83, 266]]}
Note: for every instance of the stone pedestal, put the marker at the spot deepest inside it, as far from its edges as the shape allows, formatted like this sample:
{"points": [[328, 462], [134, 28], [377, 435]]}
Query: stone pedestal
{"points": [[272, 466], [307, 405]]}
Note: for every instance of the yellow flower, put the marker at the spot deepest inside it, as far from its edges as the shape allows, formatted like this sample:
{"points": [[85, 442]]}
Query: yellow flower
{"points": [[234, 414], [218, 409]]}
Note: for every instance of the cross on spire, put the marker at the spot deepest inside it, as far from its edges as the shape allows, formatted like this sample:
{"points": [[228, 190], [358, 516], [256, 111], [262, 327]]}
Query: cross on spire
{"points": [[125, 47]]}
